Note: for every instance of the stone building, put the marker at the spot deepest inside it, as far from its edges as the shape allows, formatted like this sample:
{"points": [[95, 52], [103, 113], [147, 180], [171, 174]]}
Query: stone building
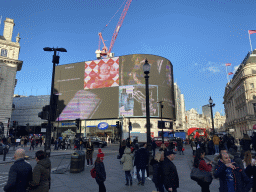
{"points": [[9, 65], [240, 98]]}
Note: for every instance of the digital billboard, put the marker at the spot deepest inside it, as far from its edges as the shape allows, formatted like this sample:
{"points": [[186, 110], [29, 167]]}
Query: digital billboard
{"points": [[114, 87]]}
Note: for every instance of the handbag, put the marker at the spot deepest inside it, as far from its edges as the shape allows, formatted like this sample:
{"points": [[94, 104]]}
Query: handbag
{"points": [[199, 175], [183, 149], [93, 172]]}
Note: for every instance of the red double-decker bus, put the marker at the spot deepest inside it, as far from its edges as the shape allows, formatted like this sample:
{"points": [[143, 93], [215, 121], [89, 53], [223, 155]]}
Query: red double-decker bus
{"points": [[197, 132]]}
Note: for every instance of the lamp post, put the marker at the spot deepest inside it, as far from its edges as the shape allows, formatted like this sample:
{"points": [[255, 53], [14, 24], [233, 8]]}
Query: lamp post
{"points": [[162, 127], [212, 105], [146, 69], [55, 60]]}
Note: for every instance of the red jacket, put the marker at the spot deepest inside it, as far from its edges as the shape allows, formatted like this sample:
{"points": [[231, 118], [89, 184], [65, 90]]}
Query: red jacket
{"points": [[204, 166]]}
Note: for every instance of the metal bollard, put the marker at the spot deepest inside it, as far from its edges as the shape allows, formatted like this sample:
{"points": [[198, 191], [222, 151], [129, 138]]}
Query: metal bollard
{"points": [[4, 155]]}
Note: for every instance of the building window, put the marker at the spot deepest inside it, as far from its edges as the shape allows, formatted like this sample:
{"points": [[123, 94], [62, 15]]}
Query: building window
{"points": [[4, 52], [251, 85], [254, 107]]}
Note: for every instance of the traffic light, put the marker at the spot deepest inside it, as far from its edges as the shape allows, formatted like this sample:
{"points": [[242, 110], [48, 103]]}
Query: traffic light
{"points": [[77, 123], [117, 125], [44, 114]]}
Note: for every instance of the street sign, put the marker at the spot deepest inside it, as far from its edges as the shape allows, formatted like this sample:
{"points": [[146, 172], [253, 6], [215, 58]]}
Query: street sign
{"points": [[165, 125]]}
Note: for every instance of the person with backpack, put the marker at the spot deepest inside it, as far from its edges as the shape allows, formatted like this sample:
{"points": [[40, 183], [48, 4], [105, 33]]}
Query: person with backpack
{"points": [[100, 171], [127, 160], [32, 145]]}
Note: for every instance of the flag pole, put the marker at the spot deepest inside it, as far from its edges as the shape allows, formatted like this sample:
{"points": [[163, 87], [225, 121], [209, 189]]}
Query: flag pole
{"points": [[250, 41], [227, 73]]}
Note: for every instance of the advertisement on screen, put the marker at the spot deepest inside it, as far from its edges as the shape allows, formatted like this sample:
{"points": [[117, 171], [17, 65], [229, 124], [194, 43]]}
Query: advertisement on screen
{"points": [[114, 87], [132, 100]]}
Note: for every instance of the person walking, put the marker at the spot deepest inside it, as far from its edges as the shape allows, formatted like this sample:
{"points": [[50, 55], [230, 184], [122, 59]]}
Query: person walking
{"points": [[20, 173], [32, 144], [157, 171], [245, 143], [170, 174], [211, 147], [231, 177], [121, 149], [251, 171], [22, 141], [153, 147], [200, 163], [127, 161], [100, 171], [141, 162], [216, 142], [193, 146], [41, 174], [89, 152], [163, 148], [180, 146]]}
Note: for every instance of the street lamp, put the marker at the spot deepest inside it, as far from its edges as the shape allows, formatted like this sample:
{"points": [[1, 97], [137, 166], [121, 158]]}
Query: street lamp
{"points": [[55, 60], [212, 105], [162, 106], [146, 69]]}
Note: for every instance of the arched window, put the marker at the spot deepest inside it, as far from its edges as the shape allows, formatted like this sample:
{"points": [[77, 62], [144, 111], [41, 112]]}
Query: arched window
{"points": [[4, 52]]}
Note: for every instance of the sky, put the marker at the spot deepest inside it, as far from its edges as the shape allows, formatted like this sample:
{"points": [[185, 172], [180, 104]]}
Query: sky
{"points": [[198, 37]]}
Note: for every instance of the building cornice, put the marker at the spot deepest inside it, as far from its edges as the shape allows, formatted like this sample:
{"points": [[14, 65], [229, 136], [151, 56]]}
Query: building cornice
{"points": [[9, 43], [11, 62]]}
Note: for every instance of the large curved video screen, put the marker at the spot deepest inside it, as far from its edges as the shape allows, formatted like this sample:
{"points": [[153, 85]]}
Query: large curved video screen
{"points": [[115, 87]]}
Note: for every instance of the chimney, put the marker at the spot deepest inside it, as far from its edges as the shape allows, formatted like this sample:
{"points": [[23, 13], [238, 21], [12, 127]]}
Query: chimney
{"points": [[8, 29]]}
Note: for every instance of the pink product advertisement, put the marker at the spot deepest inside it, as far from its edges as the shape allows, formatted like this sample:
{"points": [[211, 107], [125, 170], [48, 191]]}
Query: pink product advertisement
{"points": [[83, 106], [101, 73]]}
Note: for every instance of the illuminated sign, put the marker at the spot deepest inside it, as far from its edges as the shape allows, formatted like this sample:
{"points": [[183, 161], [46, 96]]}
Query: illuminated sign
{"points": [[102, 125]]}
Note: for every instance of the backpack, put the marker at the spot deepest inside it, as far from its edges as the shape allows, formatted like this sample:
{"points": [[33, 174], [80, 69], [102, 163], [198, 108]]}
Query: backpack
{"points": [[93, 172]]}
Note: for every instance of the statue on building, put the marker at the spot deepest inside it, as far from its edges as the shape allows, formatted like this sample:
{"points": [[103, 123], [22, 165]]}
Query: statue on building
{"points": [[18, 38]]}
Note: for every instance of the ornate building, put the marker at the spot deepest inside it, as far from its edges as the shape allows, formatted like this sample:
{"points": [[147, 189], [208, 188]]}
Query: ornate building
{"points": [[9, 65], [240, 98], [179, 109]]}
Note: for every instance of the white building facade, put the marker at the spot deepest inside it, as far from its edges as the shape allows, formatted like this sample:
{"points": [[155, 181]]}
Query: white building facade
{"points": [[9, 65]]}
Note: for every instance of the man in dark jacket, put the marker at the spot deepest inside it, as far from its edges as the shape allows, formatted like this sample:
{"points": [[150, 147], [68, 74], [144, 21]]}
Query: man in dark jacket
{"points": [[20, 173], [41, 174], [170, 174], [141, 163], [231, 177]]}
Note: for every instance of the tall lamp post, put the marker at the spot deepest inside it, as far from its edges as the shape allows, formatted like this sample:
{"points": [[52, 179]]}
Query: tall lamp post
{"points": [[212, 105], [162, 127], [55, 60], [146, 69]]}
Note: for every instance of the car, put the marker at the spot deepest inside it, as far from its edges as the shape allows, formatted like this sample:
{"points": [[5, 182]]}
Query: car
{"points": [[96, 141], [2, 147], [158, 141]]}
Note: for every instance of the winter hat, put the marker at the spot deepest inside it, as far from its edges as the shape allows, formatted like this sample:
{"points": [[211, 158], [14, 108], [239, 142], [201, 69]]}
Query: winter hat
{"points": [[100, 153]]}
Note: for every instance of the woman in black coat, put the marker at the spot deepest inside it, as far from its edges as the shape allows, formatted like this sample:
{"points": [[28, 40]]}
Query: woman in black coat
{"points": [[251, 171], [157, 173]]}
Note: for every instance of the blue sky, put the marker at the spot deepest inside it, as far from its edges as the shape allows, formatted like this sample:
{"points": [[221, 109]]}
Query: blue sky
{"points": [[197, 36]]}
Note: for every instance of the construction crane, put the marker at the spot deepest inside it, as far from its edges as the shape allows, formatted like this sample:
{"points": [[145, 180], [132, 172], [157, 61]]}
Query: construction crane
{"points": [[105, 52]]}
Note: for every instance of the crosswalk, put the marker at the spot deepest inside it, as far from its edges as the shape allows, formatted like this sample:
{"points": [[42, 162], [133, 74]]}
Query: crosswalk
{"points": [[3, 179]]}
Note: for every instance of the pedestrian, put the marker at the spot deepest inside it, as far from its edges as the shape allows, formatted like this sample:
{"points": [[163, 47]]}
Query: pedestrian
{"points": [[41, 174], [200, 163], [248, 160], [89, 152], [153, 147], [180, 146], [211, 146], [100, 171], [225, 141], [251, 171], [157, 171], [245, 143], [32, 144], [121, 149], [171, 146], [170, 174], [68, 143], [20, 173], [25, 141], [141, 161], [22, 142], [127, 161], [56, 144], [216, 142], [193, 146], [163, 148], [254, 141], [231, 177], [230, 141]]}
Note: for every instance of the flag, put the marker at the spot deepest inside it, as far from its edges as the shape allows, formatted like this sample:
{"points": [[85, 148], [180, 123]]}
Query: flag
{"points": [[228, 64], [251, 31], [230, 73]]}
